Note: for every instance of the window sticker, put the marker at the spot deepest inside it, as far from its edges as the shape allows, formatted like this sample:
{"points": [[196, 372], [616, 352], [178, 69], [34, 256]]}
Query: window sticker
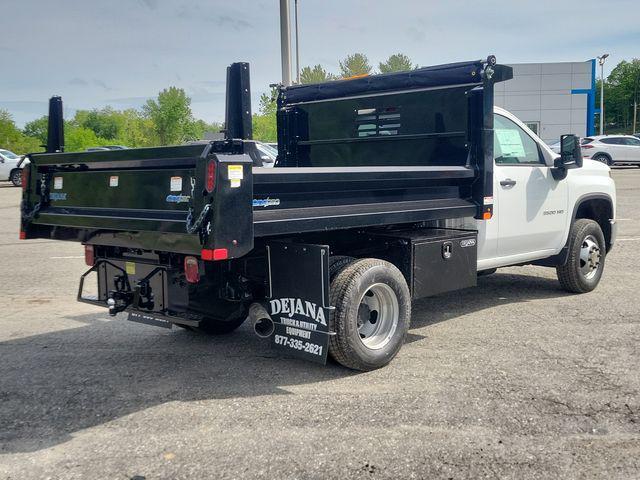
{"points": [[176, 184], [113, 181], [510, 143], [57, 183]]}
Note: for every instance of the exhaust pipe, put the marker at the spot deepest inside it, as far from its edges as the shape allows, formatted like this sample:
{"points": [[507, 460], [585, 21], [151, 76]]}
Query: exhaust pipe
{"points": [[262, 323]]}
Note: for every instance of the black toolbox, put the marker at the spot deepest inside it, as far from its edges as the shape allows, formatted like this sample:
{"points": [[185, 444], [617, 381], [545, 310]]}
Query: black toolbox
{"points": [[434, 260]]}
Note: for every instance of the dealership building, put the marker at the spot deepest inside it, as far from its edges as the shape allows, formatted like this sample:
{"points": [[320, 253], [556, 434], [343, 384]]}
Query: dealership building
{"points": [[551, 98]]}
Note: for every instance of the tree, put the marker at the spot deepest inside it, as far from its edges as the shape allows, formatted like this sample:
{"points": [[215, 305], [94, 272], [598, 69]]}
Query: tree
{"points": [[13, 139], [315, 74], [171, 115], [621, 90], [355, 64], [396, 63], [37, 129], [106, 123]]}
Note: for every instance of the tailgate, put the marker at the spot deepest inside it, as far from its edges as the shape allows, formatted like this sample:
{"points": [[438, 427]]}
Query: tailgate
{"points": [[146, 192]]}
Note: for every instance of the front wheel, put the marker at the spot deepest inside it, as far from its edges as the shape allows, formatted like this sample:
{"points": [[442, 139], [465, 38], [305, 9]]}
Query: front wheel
{"points": [[603, 159], [16, 177], [372, 314], [584, 266]]}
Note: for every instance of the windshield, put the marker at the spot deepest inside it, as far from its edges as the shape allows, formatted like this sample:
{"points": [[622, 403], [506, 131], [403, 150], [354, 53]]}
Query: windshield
{"points": [[9, 154]]}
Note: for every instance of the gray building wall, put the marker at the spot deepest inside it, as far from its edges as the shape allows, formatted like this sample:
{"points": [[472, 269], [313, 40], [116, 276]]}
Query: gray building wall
{"points": [[552, 98]]}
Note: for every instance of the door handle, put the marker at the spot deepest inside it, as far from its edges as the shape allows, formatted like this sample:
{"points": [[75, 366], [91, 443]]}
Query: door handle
{"points": [[507, 183]]}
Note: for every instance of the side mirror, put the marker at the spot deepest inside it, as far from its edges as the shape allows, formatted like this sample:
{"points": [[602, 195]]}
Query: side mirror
{"points": [[570, 151]]}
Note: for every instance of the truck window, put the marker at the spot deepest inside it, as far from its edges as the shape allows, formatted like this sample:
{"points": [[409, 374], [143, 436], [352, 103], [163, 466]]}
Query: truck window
{"points": [[511, 145]]}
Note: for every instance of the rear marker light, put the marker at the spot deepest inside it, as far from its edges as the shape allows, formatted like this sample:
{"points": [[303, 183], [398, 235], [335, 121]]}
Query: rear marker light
{"points": [[211, 176], [23, 235], [89, 255], [215, 254], [486, 216], [191, 269], [24, 177]]}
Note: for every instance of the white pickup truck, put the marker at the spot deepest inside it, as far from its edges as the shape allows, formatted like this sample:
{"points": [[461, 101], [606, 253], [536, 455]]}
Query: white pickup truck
{"points": [[542, 219]]}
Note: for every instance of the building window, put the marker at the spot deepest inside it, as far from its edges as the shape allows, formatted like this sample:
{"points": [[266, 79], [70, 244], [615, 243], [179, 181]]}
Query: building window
{"points": [[533, 126]]}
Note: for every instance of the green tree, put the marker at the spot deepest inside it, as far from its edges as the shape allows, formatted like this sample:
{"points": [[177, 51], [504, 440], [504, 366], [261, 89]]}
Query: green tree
{"points": [[171, 115], [315, 74], [105, 123], [37, 129], [622, 89], [396, 63], [13, 139], [355, 64]]}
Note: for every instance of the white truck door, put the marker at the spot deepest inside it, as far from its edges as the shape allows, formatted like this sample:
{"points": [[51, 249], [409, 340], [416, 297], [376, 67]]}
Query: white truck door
{"points": [[532, 205]]}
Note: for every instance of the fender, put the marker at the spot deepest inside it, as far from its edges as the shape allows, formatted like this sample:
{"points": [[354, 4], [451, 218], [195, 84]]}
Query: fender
{"points": [[561, 257]]}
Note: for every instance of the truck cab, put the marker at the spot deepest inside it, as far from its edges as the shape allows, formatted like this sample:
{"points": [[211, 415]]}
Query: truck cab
{"points": [[533, 210]]}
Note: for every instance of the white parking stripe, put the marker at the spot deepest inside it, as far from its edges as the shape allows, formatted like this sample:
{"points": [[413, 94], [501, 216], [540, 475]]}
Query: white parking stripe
{"points": [[70, 256], [627, 239]]}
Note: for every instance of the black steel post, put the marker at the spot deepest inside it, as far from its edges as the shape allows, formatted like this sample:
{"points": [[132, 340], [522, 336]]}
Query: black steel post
{"points": [[55, 131]]}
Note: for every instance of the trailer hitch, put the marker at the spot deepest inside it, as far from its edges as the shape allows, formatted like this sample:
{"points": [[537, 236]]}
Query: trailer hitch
{"points": [[118, 301]]}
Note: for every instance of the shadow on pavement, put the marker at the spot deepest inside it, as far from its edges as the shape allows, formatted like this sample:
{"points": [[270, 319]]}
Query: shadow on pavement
{"points": [[55, 384]]}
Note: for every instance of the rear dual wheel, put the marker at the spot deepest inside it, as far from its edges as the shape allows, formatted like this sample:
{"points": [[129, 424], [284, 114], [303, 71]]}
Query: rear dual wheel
{"points": [[372, 313]]}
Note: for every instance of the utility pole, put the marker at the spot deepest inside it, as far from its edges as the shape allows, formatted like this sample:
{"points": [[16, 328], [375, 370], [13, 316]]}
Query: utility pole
{"points": [[285, 42], [295, 5], [635, 102], [601, 60]]}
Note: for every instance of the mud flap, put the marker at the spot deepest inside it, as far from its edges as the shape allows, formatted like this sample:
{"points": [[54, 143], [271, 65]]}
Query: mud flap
{"points": [[299, 299]]}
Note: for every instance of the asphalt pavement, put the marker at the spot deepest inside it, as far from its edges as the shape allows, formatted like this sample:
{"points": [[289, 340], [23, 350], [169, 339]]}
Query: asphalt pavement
{"points": [[513, 379]]}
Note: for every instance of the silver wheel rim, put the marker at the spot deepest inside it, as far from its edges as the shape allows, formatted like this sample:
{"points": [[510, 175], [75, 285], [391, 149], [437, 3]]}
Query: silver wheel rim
{"points": [[589, 257], [378, 314]]}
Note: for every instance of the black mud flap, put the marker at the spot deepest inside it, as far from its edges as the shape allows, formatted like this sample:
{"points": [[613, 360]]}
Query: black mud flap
{"points": [[299, 299]]}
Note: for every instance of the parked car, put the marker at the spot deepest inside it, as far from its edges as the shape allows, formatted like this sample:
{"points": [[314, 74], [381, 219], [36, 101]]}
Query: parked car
{"points": [[262, 154], [556, 146], [9, 167], [612, 149]]}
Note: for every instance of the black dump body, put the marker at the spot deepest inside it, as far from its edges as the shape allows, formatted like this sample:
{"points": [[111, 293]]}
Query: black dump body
{"points": [[380, 150]]}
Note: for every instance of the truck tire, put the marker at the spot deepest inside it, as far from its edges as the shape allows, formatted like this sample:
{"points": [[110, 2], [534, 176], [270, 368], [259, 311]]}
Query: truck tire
{"points": [[229, 319], [584, 266], [337, 263], [16, 177], [371, 316]]}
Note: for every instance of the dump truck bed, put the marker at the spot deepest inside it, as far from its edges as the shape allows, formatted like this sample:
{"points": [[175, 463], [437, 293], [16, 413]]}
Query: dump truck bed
{"points": [[388, 150]]}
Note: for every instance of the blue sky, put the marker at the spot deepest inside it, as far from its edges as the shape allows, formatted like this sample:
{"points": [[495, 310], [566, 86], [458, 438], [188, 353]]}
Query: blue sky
{"points": [[121, 52]]}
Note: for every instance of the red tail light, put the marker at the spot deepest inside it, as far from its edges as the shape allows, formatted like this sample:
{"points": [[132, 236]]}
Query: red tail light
{"points": [[211, 176], [191, 270], [24, 177], [215, 254], [586, 147], [89, 255]]}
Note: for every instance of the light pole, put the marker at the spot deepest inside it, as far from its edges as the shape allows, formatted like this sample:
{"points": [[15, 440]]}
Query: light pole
{"points": [[295, 6], [601, 60], [285, 42]]}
